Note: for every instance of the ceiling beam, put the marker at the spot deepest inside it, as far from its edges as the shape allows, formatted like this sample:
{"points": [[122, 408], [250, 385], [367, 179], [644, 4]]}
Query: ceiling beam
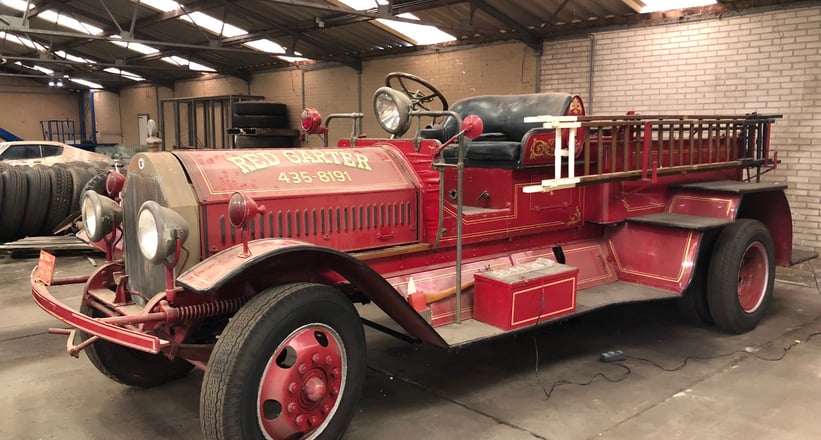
{"points": [[524, 34]]}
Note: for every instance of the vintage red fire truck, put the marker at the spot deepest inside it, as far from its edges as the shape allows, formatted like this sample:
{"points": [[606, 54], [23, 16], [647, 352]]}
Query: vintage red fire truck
{"points": [[503, 213]]}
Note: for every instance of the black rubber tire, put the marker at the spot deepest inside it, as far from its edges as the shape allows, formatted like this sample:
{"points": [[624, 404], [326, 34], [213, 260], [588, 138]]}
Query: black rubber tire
{"points": [[693, 305], [732, 245], [15, 189], [260, 108], [128, 366], [37, 200], [96, 183], [260, 121], [61, 192], [79, 178], [266, 142], [228, 407]]}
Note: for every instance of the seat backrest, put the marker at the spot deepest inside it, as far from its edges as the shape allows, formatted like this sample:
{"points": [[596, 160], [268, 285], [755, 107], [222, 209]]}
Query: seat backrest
{"points": [[504, 113]]}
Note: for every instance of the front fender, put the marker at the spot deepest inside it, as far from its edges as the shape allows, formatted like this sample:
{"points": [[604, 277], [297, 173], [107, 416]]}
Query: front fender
{"points": [[267, 255]]}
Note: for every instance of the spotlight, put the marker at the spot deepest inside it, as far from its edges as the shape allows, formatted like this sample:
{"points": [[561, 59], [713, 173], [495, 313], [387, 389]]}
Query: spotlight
{"points": [[59, 83], [51, 83]]}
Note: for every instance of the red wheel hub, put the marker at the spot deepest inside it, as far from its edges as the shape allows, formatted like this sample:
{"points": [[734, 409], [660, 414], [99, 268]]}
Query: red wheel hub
{"points": [[753, 277], [302, 384]]}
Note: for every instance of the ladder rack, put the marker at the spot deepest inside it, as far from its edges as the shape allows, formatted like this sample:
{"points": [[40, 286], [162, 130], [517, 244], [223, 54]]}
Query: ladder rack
{"points": [[645, 147]]}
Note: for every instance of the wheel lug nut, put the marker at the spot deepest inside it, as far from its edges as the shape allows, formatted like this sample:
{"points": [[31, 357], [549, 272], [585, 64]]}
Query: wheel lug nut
{"points": [[328, 360], [335, 372], [314, 420], [300, 419], [291, 407], [335, 390], [301, 369], [292, 387], [315, 359], [326, 409]]}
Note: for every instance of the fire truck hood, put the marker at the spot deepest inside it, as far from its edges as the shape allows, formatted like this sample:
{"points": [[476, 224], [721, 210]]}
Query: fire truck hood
{"points": [[267, 173]]}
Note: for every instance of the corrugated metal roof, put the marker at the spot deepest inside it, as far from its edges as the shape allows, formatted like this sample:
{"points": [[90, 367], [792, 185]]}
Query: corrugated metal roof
{"points": [[322, 30]]}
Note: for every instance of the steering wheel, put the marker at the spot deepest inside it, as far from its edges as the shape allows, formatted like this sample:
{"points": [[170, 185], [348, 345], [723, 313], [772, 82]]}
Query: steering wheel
{"points": [[420, 98]]}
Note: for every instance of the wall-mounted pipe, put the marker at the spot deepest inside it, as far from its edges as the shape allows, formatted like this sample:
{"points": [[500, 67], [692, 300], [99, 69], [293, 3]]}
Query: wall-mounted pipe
{"points": [[589, 109]]}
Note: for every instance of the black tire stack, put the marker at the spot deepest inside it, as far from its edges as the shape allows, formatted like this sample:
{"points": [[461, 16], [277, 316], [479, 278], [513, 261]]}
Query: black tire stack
{"points": [[34, 200], [262, 124]]}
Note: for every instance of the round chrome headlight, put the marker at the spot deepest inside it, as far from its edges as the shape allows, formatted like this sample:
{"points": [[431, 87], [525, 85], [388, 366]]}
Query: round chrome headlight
{"points": [[391, 108], [158, 229], [101, 215]]}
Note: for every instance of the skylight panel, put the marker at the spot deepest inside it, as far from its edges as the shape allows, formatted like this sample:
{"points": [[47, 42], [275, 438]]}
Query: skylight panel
{"points": [[182, 62], [162, 5], [89, 84], [666, 5], [75, 58], [41, 69], [23, 41], [136, 47], [19, 5], [418, 34], [69, 22], [124, 73], [213, 25]]}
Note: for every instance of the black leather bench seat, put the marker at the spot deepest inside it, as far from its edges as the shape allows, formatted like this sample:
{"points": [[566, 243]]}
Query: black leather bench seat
{"points": [[505, 130]]}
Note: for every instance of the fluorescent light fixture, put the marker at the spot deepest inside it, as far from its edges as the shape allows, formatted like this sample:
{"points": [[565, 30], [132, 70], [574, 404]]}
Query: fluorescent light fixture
{"points": [[666, 5], [417, 34], [124, 73], [89, 84]]}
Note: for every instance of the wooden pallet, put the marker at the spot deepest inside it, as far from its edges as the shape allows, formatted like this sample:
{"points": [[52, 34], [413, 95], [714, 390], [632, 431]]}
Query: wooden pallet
{"points": [[59, 245]]}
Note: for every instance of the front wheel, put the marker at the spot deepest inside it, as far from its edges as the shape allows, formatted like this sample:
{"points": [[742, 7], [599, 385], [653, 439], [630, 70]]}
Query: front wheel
{"points": [[289, 365], [128, 366], [741, 275]]}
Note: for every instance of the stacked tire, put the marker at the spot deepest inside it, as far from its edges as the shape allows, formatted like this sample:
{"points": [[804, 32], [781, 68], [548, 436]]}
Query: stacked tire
{"points": [[35, 200], [268, 121]]}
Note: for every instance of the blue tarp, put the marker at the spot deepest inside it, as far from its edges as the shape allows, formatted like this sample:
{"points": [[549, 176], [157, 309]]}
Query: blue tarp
{"points": [[9, 136]]}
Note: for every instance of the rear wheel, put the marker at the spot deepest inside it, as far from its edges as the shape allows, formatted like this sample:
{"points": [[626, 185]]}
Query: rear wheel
{"points": [[128, 366], [289, 365], [741, 275]]}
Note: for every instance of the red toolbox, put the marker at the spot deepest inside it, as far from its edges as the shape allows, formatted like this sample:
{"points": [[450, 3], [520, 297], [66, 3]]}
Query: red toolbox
{"points": [[522, 295]]}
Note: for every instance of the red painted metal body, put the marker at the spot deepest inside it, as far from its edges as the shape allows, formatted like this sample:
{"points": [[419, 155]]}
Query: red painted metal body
{"points": [[380, 221]]}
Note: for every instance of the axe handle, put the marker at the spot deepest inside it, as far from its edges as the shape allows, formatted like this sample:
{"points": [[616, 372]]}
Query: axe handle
{"points": [[432, 297]]}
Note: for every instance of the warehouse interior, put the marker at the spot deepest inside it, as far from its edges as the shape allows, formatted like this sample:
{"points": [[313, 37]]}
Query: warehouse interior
{"points": [[109, 66]]}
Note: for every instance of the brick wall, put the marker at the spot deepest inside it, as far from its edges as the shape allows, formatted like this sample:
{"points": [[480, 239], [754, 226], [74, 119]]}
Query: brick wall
{"points": [[766, 62]]}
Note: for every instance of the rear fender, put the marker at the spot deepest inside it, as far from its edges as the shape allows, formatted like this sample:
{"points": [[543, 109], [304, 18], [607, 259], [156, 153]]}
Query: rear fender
{"points": [[772, 209], [295, 259]]}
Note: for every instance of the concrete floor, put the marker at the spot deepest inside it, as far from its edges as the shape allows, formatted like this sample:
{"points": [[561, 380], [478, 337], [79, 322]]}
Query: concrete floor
{"points": [[486, 391]]}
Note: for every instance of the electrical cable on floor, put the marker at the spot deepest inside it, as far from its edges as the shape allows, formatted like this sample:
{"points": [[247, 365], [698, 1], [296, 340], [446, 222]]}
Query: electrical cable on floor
{"points": [[814, 277], [549, 392]]}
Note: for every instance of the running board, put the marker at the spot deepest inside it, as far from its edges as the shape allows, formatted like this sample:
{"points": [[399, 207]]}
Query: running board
{"points": [[587, 300], [802, 255]]}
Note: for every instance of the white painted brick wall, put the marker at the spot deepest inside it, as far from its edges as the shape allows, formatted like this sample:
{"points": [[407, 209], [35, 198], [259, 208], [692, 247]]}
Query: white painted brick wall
{"points": [[765, 62]]}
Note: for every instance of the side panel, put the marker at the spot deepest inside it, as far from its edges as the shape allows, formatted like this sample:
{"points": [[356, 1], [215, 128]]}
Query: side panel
{"points": [[654, 256]]}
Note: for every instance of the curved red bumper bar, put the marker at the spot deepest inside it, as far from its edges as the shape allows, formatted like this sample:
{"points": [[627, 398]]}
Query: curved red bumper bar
{"points": [[118, 335]]}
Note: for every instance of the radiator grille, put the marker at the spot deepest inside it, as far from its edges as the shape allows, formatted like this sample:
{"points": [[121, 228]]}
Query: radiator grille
{"points": [[313, 224], [143, 277]]}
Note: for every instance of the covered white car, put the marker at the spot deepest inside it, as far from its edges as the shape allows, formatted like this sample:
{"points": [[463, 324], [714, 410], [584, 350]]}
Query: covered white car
{"points": [[46, 153]]}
